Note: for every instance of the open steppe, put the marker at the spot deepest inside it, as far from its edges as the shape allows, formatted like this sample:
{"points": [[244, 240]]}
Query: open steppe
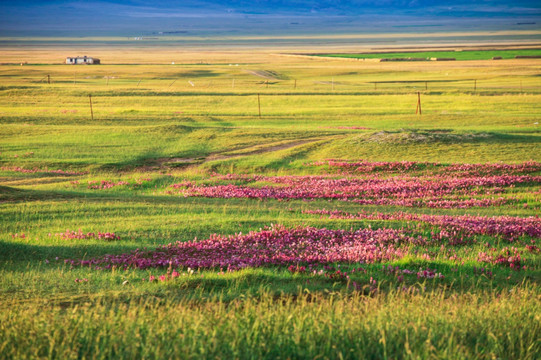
{"points": [[349, 226]]}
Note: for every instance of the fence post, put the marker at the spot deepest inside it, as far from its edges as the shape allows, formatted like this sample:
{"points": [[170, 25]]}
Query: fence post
{"points": [[418, 109]]}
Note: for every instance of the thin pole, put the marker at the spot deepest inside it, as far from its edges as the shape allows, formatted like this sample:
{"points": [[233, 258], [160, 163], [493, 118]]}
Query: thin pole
{"points": [[259, 105], [172, 83], [418, 109], [49, 79], [138, 82], [91, 111]]}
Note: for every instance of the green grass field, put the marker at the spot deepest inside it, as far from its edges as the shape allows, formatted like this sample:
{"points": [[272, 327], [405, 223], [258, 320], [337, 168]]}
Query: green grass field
{"points": [[458, 55], [153, 126]]}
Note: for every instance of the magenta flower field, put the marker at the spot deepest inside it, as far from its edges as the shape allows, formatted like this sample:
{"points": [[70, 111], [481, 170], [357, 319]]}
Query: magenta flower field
{"points": [[385, 184], [394, 235]]}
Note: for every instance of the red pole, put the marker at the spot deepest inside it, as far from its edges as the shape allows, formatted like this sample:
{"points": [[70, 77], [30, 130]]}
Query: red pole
{"points": [[418, 108]]}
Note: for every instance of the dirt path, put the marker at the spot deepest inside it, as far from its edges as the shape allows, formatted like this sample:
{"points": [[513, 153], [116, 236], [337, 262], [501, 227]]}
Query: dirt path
{"points": [[165, 163], [262, 73], [260, 149]]}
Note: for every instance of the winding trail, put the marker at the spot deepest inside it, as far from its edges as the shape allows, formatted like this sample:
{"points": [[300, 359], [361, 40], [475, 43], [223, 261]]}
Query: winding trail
{"points": [[232, 154]]}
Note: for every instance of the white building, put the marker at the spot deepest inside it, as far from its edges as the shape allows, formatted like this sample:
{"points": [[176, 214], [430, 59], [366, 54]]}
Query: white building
{"points": [[81, 60]]}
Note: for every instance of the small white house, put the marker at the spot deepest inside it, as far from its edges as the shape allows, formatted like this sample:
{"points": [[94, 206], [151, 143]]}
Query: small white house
{"points": [[84, 60]]}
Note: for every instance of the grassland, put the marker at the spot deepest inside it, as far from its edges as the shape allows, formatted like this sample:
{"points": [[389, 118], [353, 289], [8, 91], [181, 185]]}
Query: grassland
{"points": [[154, 126], [458, 55]]}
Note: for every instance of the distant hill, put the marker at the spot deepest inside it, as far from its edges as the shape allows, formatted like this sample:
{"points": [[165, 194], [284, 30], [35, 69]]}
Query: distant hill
{"points": [[137, 17]]}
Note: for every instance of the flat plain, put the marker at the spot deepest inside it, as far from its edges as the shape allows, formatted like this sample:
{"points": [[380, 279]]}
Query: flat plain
{"points": [[231, 203]]}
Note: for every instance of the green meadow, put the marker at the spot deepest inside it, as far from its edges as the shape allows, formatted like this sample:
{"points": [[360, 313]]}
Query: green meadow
{"points": [[458, 55], [152, 126]]}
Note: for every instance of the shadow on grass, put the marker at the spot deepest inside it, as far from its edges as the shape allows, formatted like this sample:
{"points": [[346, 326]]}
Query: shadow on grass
{"points": [[512, 138], [18, 252], [12, 194], [302, 153], [110, 286], [132, 163], [217, 121]]}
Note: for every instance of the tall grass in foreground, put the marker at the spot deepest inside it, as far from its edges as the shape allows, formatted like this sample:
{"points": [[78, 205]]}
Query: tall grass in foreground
{"points": [[492, 325]]}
